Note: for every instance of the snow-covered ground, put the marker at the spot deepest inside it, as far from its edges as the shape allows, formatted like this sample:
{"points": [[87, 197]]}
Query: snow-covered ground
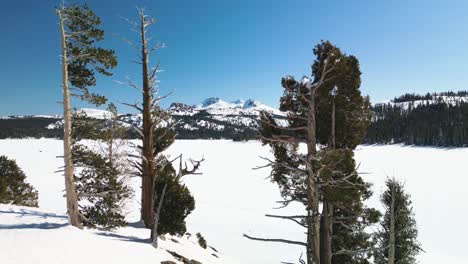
{"points": [[30, 235], [231, 199]]}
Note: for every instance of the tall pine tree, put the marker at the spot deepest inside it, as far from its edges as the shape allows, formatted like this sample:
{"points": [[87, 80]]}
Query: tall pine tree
{"points": [[81, 58], [328, 115], [398, 233]]}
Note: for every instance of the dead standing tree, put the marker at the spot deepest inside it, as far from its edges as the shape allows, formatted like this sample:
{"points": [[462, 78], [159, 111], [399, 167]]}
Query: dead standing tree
{"points": [[80, 60], [152, 115]]}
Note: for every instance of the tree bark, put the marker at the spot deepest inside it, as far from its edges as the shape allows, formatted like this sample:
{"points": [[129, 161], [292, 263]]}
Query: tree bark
{"points": [[70, 191], [326, 230], [313, 219], [147, 211], [154, 234]]}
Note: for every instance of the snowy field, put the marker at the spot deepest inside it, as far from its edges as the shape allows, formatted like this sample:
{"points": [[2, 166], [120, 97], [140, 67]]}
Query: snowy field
{"points": [[231, 199]]}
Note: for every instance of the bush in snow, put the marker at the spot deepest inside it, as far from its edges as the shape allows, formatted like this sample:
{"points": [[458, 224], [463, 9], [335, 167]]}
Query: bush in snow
{"points": [[13, 188], [177, 204], [201, 241]]}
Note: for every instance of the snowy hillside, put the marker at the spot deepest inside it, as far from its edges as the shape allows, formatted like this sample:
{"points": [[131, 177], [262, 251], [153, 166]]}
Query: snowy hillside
{"points": [[413, 100], [232, 199], [49, 239]]}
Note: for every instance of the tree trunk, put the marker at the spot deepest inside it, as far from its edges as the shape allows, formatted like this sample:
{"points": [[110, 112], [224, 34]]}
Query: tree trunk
{"points": [[326, 230], [147, 211], [313, 219], [332, 133], [70, 191], [154, 234], [391, 246]]}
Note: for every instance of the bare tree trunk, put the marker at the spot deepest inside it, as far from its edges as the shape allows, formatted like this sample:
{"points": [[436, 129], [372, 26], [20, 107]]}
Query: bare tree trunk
{"points": [[147, 211], [70, 191], [313, 216], [391, 246], [154, 234], [326, 230]]}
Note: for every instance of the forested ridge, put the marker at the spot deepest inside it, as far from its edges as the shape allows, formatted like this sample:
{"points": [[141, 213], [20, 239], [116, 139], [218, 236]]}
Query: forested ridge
{"points": [[439, 119]]}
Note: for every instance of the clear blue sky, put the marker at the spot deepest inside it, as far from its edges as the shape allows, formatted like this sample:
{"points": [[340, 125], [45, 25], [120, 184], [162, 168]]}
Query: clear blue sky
{"points": [[241, 49]]}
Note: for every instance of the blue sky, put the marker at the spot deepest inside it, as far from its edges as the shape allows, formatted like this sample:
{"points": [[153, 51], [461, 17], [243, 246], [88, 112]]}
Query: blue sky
{"points": [[241, 49]]}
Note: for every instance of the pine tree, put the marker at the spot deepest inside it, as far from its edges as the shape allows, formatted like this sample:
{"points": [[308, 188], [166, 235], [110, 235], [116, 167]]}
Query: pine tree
{"points": [[101, 180], [81, 59], [101, 189], [327, 109], [398, 233], [13, 186], [296, 172]]}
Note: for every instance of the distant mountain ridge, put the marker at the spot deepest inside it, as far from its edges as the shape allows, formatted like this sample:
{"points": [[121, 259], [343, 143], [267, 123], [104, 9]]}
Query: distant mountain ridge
{"points": [[212, 118], [439, 119], [217, 106]]}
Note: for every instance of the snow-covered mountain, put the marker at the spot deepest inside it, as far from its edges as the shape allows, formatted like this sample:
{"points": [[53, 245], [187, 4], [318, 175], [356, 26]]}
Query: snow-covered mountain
{"points": [[216, 115], [211, 118], [217, 106]]}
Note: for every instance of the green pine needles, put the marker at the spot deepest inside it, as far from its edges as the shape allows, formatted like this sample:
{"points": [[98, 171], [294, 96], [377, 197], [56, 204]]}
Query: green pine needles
{"points": [[13, 186]]}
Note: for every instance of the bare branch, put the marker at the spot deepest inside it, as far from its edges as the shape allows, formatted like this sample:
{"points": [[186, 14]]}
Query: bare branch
{"points": [[277, 240]]}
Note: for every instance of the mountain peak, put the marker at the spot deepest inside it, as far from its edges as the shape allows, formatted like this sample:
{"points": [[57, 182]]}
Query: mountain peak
{"points": [[251, 103], [210, 101], [238, 102]]}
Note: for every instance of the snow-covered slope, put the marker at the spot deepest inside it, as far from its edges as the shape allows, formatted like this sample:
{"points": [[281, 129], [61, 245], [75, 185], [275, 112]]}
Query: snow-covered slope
{"points": [[433, 99], [232, 199], [47, 238], [31, 235]]}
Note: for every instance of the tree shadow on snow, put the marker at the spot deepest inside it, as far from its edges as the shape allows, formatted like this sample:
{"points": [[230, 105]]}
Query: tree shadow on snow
{"points": [[138, 224], [26, 212], [45, 225], [125, 238]]}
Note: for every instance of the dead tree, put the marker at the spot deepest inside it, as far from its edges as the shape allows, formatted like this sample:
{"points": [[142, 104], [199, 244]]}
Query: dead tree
{"points": [[152, 115]]}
